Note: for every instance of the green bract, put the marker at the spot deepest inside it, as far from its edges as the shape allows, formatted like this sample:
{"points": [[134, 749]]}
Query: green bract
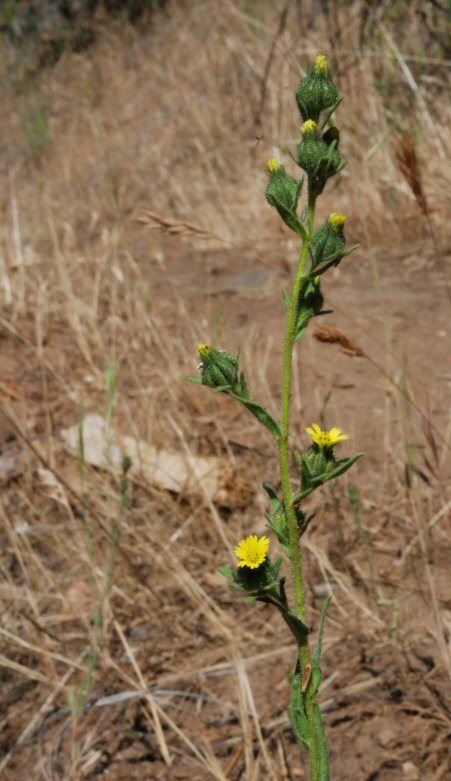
{"points": [[317, 92], [219, 369], [283, 193], [319, 160], [328, 242], [254, 580], [310, 304], [315, 462], [318, 467]]}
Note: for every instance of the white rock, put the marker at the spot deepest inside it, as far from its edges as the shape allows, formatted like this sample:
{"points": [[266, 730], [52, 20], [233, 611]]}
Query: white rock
{"points": [[174, 471]]}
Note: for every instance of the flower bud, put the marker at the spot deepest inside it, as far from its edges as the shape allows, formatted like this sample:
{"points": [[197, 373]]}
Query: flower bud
{"points": [[314, 463], [328, 241], [283, 193], [311, 296], [274, 165], [317, 92], [311, 150], [319, 159], [310, 304], [218, 368], [309, 128], [319, 459]]}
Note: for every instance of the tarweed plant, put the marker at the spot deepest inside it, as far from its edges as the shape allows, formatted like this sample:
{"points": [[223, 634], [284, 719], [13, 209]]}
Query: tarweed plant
{"points": [[256, 574]]}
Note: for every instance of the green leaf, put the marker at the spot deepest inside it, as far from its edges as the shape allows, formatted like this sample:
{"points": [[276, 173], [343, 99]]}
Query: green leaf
{"points": [[321, 760], [302, 322], [283, 193], [291, 220], [274, 594], [340, 468], [308, 305], [277, 519], [218, 368], [332, 260], [304, 520], [271, 492], [299, 497], [260, 413], [328, 114], [316, 658], [222, 389], [227, 572], [298, 713], [297, 626], [275, 567]]}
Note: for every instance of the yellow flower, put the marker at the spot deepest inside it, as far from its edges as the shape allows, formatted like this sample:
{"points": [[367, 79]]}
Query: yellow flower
{"points": [[252, 551], [204, 349], [274, 165], [326, 438], [309, 126], [337, 219], [322, 63]]}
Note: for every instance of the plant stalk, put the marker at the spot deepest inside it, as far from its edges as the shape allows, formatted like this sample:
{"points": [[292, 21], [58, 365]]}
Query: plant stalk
{"points": [[295, 557], [300, 276]]}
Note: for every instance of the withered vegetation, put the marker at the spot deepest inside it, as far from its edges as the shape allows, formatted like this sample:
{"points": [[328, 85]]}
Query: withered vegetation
{"points": [[170, 128]]}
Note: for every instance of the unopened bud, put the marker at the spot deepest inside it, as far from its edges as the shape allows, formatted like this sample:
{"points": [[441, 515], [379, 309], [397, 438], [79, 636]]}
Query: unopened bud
{"points": [[309, 127], [317, 92], [337, 220], [219, 369], [321, 63], [274, 165], [328, 241]]}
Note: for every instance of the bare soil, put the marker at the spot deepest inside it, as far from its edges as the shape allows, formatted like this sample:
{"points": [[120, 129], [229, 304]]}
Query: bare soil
{"points": [[386, 689]]}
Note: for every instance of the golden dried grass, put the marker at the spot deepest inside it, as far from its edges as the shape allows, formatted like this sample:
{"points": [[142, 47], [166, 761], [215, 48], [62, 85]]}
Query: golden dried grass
{"points": [[167, 123]]}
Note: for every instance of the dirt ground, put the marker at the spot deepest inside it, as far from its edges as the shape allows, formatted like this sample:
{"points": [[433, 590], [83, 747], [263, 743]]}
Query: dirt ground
{"points": [[385, 693], [135, 660]]}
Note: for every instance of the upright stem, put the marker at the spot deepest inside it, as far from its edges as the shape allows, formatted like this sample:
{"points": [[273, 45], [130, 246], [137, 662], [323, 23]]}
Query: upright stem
{"points": [[296, 558], [296, 561]]}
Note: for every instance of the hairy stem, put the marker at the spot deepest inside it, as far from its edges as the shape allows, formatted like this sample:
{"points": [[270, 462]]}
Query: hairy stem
{"points": [[295, 557], [300, 276]]}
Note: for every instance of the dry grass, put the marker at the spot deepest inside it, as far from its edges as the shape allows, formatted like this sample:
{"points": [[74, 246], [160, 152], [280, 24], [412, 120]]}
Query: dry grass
{"points": [[172, 129]]}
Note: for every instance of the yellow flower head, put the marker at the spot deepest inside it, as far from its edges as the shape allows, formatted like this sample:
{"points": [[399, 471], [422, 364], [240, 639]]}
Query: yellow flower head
{"points": [[337, 219], [326, 438], [274, 165], [309, 126], [322, 63], [252, 551], [204, 349]]}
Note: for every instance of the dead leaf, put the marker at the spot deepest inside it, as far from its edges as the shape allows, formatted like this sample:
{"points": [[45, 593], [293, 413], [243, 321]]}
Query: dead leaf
{"points": [[55, 489], [173, 471], [13, 461]]}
